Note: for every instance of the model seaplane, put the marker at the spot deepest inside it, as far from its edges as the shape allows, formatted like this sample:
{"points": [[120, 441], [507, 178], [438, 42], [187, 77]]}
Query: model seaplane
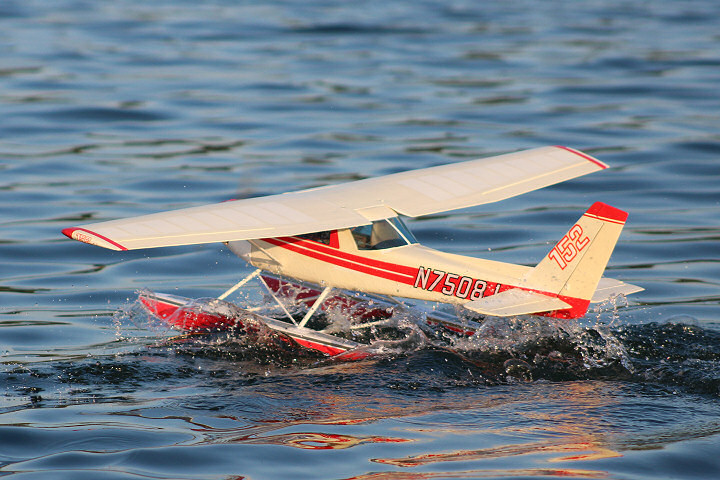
{"points": [[324, 243]]}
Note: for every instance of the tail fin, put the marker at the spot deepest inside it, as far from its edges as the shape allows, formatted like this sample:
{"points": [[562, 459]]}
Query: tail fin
{"points": [[576, 263]]}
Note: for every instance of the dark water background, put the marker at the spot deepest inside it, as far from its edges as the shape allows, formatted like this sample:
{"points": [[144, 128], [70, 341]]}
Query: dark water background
{"points": [[115, 109]]}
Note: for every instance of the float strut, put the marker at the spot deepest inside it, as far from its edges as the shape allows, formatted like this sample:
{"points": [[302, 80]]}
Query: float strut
{"points": [[320, 299], [240, 284], [277, 300]]}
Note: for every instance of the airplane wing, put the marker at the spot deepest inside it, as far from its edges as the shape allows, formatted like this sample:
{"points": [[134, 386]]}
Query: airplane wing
{"points": [[412, 193]]}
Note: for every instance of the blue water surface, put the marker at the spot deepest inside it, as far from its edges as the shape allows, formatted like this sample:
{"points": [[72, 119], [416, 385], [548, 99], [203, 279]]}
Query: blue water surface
{"points": [[117, 109]]}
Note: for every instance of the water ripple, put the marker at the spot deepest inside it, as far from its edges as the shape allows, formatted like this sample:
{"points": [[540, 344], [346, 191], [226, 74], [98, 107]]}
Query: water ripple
{"points": [[119, 109]]}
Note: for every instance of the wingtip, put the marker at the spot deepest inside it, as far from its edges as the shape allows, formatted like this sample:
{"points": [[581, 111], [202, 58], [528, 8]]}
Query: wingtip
{"points": [[86, 236], [587, 157]]}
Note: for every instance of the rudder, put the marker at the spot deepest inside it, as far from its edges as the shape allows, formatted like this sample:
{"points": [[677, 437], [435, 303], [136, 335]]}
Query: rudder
{"points": [[576, 263]]}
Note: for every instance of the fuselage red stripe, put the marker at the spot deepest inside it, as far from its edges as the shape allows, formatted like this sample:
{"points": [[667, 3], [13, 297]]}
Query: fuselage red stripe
{"points": [[341, 255], [302, 248], [335, 252]]}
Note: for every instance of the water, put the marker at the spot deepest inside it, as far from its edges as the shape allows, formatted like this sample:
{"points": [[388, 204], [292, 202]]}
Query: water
{"points": [[125, 108]]}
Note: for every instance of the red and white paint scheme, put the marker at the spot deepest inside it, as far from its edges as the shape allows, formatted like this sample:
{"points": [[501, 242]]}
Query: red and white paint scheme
{"points": [[212, 315], [351, 237]]}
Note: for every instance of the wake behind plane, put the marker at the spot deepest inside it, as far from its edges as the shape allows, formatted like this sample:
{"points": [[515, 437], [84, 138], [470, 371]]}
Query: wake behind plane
{"points": [[318, 246]]}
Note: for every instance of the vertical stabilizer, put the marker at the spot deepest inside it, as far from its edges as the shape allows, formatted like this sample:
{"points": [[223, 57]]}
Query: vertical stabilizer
{"points": [[576, 263]]}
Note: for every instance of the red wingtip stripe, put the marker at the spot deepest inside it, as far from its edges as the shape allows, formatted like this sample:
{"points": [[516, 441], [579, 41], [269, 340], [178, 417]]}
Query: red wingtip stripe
{"points": [[585, 156], [606, 212], [86, 236]]}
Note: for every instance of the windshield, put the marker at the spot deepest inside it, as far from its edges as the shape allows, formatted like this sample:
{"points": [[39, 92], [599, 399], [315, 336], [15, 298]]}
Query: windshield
{"points": [[382, 234]]}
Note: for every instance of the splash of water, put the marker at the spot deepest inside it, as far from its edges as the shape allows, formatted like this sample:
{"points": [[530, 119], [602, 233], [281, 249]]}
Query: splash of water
{"points": [[505, 350]]}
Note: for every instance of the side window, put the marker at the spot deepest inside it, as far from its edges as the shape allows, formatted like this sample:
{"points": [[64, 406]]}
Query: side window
{"points": [[362, 236], [321, 237]]}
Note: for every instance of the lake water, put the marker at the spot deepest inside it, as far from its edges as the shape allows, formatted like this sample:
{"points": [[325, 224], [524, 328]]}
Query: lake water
{"points": [[117, 109]]}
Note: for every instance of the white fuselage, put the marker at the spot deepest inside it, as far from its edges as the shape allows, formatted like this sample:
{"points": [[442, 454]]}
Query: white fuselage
{"points": [[409, 271]]}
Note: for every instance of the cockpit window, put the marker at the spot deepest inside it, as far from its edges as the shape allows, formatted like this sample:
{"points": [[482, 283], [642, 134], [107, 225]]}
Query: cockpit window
{"points": [[382, 234], [403, 229]]}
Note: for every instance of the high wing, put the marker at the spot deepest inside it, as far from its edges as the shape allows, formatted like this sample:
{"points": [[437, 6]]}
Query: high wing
{"points": [[412, 193]]}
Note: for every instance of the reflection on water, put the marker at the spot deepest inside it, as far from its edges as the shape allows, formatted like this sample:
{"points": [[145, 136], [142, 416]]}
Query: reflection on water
{"points": [[566, 451], [510, 473], [575, 433], [317, 441]]}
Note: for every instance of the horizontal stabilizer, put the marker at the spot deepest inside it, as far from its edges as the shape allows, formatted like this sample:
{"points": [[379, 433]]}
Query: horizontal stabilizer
{"points": [[516, 302], [608, 288]]}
